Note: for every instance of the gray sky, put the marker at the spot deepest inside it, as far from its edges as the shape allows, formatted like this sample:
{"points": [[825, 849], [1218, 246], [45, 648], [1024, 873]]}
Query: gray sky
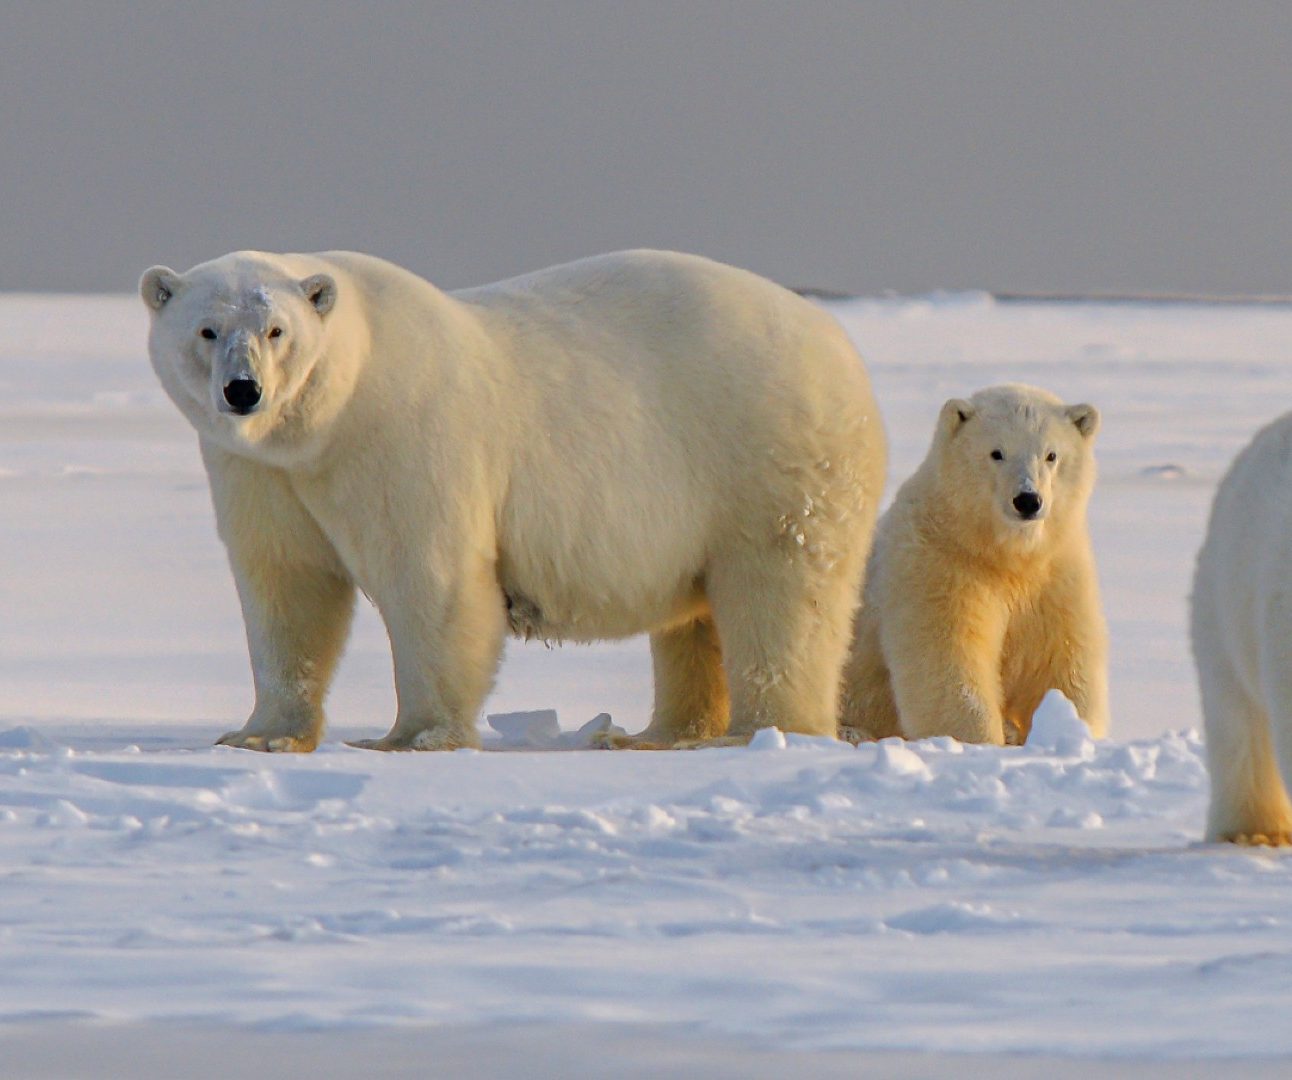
{"points": [[863, 146]]}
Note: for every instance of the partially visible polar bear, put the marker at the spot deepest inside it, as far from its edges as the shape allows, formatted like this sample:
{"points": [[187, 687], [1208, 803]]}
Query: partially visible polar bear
{"points": [[1242, 634], [642, 441], [981, 592]]}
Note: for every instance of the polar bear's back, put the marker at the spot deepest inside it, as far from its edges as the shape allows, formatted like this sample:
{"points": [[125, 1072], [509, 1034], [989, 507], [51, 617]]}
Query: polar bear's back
{"points": [[679, 307], [671, 329]]}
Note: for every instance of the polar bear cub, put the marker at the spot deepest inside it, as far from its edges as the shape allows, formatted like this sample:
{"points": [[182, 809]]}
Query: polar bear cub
{"points": [[1241, 630], [981, 592], [637, 442]]}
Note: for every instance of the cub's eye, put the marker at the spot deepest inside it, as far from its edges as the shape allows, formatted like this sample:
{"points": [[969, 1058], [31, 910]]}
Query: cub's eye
{"points": [[276, 332], [1051, 457], [208, 333], [998, 455]]}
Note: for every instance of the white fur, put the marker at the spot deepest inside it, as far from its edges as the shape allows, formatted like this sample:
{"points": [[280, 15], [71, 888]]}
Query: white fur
{"points": [[1241, 629], [972, 613], [638, 442]]}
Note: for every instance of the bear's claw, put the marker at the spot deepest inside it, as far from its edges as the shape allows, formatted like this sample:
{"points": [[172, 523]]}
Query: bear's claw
{"points": [[268, 744]]}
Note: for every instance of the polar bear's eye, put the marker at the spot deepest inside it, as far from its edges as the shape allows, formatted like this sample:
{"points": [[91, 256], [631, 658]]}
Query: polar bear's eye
{"points": [[276, 332], [208, 333], [998, 455], [1051, 457]]}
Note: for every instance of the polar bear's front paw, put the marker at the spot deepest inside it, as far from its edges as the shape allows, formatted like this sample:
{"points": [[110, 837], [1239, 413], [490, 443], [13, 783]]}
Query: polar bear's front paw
{"points": [[373, 744], [269, 744], [426, 739]]}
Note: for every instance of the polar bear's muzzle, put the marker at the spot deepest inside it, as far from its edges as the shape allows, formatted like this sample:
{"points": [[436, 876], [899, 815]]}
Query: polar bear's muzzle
{"points": [[241, 392], [242, 395]]}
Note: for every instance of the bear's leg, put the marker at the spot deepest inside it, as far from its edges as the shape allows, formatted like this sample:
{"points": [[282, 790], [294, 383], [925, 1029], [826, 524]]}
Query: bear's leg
{"points": [[691, 701], [446, 638], [297, 621], [1249, 804], [297, 601], [944, 659], [1281, 729], [785, 625]]}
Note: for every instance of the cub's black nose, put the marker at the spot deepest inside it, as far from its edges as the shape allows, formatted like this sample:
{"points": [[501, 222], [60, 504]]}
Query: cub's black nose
{"points": [[243, 395], [1028, 504]]}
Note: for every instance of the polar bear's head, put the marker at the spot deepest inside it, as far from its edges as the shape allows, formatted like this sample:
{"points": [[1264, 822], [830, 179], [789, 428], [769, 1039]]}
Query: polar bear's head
{"points": [[1016, 460], [239, 344]]}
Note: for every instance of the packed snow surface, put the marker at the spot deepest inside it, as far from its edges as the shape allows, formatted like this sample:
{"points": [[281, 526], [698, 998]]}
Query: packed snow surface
{"points": [[804, 893]]}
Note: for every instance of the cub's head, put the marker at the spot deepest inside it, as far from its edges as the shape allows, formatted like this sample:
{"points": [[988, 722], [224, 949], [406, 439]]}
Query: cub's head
{"points": [[239, 344], [1016, 461]]}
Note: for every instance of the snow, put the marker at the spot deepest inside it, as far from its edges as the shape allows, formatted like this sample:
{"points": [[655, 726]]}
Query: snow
{"points": [[800, 895], [1056, 726]]}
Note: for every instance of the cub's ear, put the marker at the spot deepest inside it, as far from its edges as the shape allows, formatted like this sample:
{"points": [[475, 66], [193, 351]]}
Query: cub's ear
{"points": [[158, 285], [320, 290], [954, 414], [1086, 417]]}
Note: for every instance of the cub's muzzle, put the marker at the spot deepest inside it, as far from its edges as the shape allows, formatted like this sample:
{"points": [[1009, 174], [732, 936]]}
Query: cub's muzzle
{"points": [[1027, 504]]}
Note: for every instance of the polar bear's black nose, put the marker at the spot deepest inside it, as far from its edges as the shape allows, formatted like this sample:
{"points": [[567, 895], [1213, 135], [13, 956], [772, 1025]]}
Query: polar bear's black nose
{"points": [[1027, 503], [243, 395]]}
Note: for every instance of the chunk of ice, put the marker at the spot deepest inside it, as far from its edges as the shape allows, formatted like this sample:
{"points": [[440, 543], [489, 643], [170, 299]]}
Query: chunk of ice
{"points": [[535, 727]]}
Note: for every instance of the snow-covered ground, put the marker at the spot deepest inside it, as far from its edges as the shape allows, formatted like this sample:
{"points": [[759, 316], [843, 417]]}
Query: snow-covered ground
{"points": [[800, 895]]}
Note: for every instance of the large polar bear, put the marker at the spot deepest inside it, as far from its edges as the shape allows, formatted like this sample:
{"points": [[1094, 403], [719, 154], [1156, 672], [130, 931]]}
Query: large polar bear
{"points": [[642, 441], [981, 592], [1242, 630]]}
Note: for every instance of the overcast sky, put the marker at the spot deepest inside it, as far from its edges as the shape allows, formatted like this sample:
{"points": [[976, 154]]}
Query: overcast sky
{"points": [[1030, 146]]}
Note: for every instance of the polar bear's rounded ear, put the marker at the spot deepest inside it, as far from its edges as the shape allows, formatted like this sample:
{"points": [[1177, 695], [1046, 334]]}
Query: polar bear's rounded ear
{"points": [[954, 414], [1086, 417], [158, 285], [320, 290]]}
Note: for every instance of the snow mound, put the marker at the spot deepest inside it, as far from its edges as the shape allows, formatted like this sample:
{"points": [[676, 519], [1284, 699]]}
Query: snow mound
{"points": [[895, 758], [1057, 728], [954, 918], [26, 738], [768, 739]]}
